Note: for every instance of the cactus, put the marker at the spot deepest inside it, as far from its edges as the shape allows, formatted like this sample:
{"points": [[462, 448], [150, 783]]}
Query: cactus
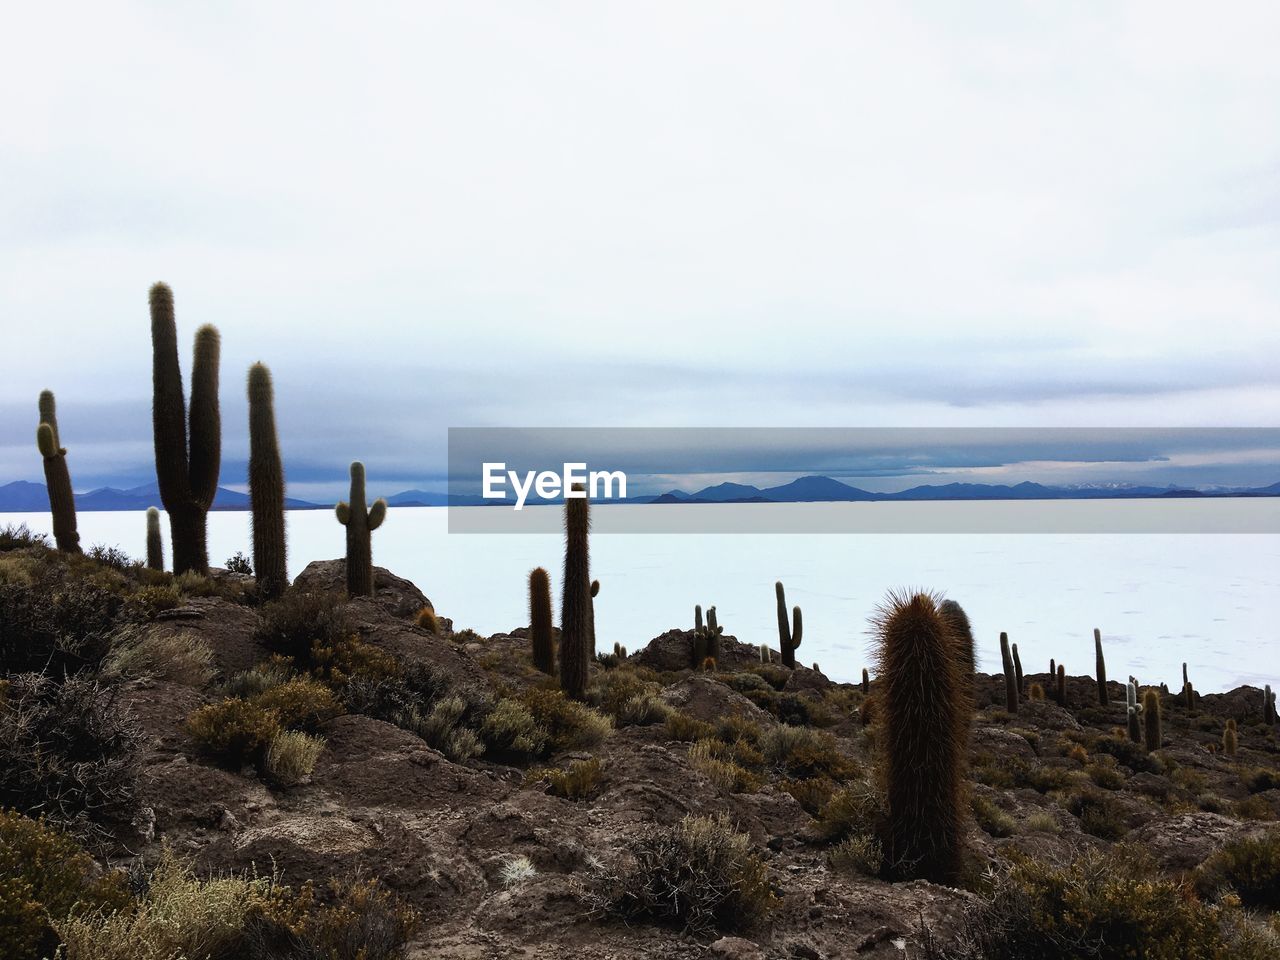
{"points": [[788, 638], [1062, 685], [764, 653], [1230, 741], [1017, 670], [544, 654], [1010, 679], [1268, 706], [575, 606], [1135, 728], [1188, 699], [697, 618], [1101, 663], [1151, 721], [958, 623], [1053, 669], [866, 682], [155, 547], [1036, 692], [924, 734], [266, 486], [360, 524], [428, 620], [187, 461], [57, 478], [595, 591]]}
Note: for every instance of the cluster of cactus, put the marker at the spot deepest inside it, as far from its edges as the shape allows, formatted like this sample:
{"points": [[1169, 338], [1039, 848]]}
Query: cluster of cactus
{"points": [[540, 629], [706, 639], [619, 651], [360, 523], [577, 632], [266, 486], [1151, 735], [923, 701], [188, 456], [1010, 678], [1101, 667], [1230, 739], [789, 632], [57, 477]]}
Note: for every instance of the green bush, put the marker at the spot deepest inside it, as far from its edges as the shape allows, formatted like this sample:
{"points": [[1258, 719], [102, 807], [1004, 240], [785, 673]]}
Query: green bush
{"points": [[855, 810], [578, 781], [570, 725], [428, 703], [358, 920], [1249, 866], [291, 757], [857, 855], [699, 874], [991, 818], [717, 761], [44, 877], [234, 731], [299, 622], [69, 751], [300, 704], [801, 752], [1099, 815], [511, 728], [681, 726]]}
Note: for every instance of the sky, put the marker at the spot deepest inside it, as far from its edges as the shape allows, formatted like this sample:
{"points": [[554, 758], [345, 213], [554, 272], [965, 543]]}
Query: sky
{"points": [[427, 215]]}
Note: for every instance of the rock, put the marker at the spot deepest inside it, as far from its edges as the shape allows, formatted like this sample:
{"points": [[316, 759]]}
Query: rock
{"points": [[1183, 842], [673, 651], [1000, 742], [709, 700], [805, 678], [227, 628], [396, 594], [735, 948]]}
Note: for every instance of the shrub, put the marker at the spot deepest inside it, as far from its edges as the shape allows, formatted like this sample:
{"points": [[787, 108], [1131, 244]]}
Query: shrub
{"points": [[859, 855], [68, 750], [1261, 779], [991, 818], [291, 757], [53, 623], [262, 676], [570, 725], [300, 704], [343, 659], [510, 727], [577, 782], [517, 870], [681, 726], [802, 752], [1102, 906], [856, 809], [44, 876], [19, 536], [628, 698], [299, 621], [147, 602], [239, 564], [362, 920], [1042, 822], [700, 874], [139, 652], [428, 621], [1098, 813], [811, 794], [1249, 866], [706, 756], [234, 731], [112, 557]]}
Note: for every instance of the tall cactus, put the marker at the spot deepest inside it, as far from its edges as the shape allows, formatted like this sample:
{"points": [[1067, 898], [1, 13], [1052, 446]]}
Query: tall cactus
{"points": [[544, 654], [1268, 706], [866, 682], [1151, 721], [360, 524], [1062, 686], [266, 486], [57, 477], [788, 638], [187, 462], [1103, 697], [595, 592], [925, 710], [1017, 671], [155, 545], [1131, 710], [1010, 679], [575, 602], [962, 631]]}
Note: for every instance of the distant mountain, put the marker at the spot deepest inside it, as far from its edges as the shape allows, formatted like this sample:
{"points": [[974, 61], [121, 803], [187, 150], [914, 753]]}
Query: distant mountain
{"points": [[421, 498], [815, 489], [725, 492], [979, 491], [24, 497]]}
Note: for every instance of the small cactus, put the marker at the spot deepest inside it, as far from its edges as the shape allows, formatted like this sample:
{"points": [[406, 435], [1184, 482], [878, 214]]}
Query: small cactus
{"points": [[155, 546], [866, 682], [544, 654], [188, 443], [1017, 669], [428, 620], [1188, 696], [1036, 692], [57, 478], [764, 653], [788, 636], [1062, 685], [576, 631], [360, 523], [1010, 679], [1268, 706], [1135, 728], [266, 486], [1151, 721], [1101, 663], [1230, 741], [706, 639]]}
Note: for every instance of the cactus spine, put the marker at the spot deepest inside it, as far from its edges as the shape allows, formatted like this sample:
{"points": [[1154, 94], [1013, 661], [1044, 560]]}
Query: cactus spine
{"points": [[57, 477], [1062, 685], [544, 654], [575, 604], [155, 546], [788, 638], [187, 462], [1010, 679], [266, 486], [1017, 670], [1103, 698], [1151, 721], [924, 738], [360, 524]]}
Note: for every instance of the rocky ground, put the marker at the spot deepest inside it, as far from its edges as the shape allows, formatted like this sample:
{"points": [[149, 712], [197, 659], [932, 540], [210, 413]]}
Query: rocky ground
{"points": [[442, 833]]}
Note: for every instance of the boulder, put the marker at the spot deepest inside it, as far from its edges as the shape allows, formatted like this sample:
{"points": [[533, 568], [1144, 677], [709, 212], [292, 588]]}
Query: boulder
{"points": [[396, 594], [1185, 841]]}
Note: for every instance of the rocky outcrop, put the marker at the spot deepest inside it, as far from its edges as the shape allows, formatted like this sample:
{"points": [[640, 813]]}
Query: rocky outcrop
{"points": [[395, 594]]}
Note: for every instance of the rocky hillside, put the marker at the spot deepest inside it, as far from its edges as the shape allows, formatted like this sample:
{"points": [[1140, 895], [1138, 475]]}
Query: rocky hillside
{"points": [[174, 727]]}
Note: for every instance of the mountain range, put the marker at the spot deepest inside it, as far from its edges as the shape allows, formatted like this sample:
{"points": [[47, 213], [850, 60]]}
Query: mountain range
{"points": [[22, 496]]}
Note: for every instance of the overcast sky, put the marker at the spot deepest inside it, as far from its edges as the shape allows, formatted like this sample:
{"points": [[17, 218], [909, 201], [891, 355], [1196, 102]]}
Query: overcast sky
{"points": [[426, 215]]}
